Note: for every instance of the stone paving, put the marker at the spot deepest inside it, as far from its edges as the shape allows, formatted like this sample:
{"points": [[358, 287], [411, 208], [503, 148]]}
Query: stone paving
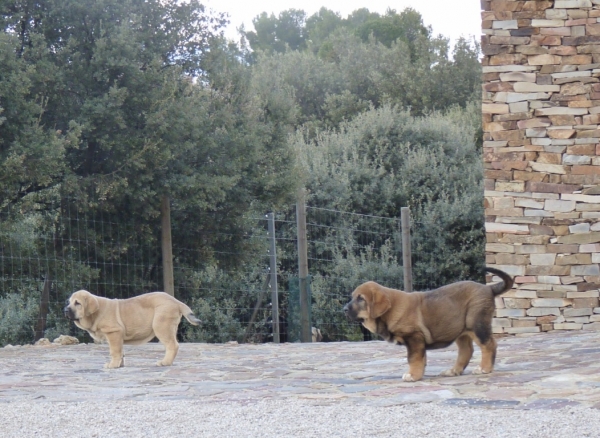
{"points": [[541, 371]]}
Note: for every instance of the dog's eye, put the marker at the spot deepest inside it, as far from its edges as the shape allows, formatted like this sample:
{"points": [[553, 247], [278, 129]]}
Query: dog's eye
{"points": [[77, 303], [360, 298]]}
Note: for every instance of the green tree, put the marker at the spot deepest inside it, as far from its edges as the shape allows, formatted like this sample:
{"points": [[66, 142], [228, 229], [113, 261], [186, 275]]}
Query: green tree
{"points": [[277, 34], [321, 25], [387, 29], [107, 105], [385, 159]]}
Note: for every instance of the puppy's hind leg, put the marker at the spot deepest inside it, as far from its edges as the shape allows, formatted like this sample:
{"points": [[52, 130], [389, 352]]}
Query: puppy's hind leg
{"points": [[167, 335], [465, 352], [484, 339]]}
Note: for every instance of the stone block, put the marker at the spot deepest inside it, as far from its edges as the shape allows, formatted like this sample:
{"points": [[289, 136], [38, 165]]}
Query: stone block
{"points": [[592, 269], [584, 294], [494, 108], [550, 168], [571, 160], [570, 279], [524, 322], [568, 326], [543, 59], [530, 249], [523, 293], [590, 284], [528, 203], [573, 259], [591, 199], [585, 170], [516, 303], [547, 270], [501, 322], [502, 186], [511, 313], [578, 319], [559, 206], [505, 25], [511, 259], [579, 228], [534, 287], [569, 313], [550, 302], [581, 303], [584, 238], [592, 247], [537, 311], [517, 330], [547, 319], [492, 227], [499, 247], [551, 158], [592, 326], [552, 111], [542, 259], [562, 249], [549, 279], [551, 294], [565, 288]]}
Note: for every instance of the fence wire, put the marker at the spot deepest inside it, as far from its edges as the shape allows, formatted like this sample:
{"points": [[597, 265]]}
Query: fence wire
{"points": [[223, 277]]}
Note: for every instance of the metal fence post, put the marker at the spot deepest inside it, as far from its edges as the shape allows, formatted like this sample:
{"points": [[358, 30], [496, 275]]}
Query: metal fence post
{"points": [[273, 263], [167, 247], [406, 254], [305, 323]]}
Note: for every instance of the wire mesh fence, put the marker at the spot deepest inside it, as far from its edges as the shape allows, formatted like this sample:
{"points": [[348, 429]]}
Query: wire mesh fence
{"points": [[48, 254]]}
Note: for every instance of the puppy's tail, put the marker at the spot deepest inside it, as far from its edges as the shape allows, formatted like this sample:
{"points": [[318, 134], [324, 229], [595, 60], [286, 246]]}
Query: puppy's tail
{"points": [[506, 284], [189, 315]]}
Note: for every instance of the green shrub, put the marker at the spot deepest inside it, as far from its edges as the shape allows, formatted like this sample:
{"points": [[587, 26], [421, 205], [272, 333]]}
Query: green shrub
{"points": [[17, 319]]}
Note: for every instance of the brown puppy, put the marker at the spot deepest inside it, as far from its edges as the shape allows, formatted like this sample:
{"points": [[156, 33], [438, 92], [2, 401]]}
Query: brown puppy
{"points": [[459, 312], [132, 321]]}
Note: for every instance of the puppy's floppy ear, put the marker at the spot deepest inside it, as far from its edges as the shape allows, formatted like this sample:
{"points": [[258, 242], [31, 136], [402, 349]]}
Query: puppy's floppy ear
{"points": [[380, 301], [91, 305]]}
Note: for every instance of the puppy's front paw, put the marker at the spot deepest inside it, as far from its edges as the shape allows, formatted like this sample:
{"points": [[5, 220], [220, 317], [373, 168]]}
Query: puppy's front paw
{"points": [[479, 370], [115, 364], [161, 363], [407, 377], [450, 373]]}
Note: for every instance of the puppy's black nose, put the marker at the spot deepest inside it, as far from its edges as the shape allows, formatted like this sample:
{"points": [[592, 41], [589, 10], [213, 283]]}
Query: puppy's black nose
{"points": [[346, 308]]}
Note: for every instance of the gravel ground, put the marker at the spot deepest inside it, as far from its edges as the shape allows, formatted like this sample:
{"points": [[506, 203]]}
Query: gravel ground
{"points": [[296, 418]]}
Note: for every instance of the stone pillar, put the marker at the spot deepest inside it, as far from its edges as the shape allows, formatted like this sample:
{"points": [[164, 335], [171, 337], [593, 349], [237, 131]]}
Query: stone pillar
{"points": [[541, 116]]}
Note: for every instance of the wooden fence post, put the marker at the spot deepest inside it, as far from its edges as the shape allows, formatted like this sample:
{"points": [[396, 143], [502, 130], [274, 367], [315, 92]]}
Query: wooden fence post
{"points": [[40, 326], [406, 252], [167, 246]]}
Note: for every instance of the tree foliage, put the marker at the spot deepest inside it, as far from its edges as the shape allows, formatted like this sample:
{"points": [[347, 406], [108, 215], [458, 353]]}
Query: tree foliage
{"points": [[108, 105], [386, 159], [342, 74]]}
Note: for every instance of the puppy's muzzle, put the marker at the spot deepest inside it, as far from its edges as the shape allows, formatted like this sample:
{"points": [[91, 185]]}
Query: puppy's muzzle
{"points": [[69, 313], [348, 311]]}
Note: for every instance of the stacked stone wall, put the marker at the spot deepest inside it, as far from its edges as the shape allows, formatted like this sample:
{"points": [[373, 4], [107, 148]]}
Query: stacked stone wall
{"points": [[541, 121]]}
